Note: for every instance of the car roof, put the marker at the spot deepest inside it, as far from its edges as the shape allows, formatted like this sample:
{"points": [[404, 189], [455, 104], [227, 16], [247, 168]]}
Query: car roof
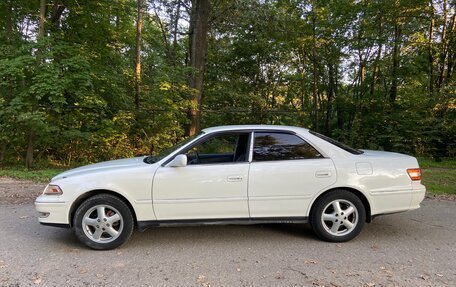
{"points": [[253, 127]]}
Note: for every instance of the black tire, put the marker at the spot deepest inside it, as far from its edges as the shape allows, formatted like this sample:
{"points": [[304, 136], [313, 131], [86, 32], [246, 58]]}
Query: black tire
{"points": [[102, 216], [337, 226]]}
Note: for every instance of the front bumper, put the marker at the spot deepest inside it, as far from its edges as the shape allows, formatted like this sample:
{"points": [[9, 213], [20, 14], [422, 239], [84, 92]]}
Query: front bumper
{"points": [[52, 210]]}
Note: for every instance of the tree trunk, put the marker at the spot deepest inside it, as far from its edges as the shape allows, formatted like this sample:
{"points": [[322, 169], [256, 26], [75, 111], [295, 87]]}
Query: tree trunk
{"points": [[175, 31], [30, 148], [337, 101], [396, 55], [451, 47], [431, 54], [376, 68], [31, 133], [57, 11], [443, 55], [139, 23], [3, 151], [199, 26], [331, 89], [9, 37], [302, 85], [9, 21], [314, 72], [164, 33], [42, 18]]}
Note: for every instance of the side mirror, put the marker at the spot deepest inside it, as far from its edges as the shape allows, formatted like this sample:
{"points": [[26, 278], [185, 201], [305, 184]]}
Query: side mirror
{"points": [[179, 161]]}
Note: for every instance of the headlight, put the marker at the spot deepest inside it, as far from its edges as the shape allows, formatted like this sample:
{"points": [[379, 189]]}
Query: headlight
{"points": [[52, 190]]}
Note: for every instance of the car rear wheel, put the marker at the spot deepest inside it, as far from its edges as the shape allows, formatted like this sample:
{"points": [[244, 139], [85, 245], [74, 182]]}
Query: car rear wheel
{"points": [[338, 216], [103, 222]]}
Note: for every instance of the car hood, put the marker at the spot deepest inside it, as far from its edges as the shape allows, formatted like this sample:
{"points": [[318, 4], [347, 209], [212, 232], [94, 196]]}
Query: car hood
{"points": [[102, 166]]}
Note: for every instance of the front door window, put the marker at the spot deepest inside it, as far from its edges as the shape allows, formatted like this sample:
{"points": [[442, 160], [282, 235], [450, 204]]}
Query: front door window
{"points": [[224, 148]]}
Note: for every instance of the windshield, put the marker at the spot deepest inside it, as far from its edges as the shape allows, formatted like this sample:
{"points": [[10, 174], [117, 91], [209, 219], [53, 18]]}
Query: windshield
{"points": [[161, 155], [338, 144]]}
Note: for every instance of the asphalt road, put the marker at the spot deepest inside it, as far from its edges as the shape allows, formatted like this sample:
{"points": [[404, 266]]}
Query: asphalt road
{"points": [[416, 248]]}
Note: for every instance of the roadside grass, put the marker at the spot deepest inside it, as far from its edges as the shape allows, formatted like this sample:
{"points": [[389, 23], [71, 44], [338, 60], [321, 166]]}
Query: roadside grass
{"points": [[430, 163], [438, 177], [440, 180], [37, 175]]}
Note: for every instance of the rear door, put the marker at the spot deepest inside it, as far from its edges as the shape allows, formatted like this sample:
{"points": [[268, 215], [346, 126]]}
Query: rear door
{"points": [[285, 173]]}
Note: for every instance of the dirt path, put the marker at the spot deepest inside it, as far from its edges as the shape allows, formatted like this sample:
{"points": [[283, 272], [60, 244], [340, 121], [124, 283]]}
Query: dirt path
{"points": [[409, 249], [13, 191]]}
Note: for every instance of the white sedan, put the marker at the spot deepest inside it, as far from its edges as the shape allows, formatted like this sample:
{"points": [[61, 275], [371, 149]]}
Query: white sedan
{"points": [[235, 174]]}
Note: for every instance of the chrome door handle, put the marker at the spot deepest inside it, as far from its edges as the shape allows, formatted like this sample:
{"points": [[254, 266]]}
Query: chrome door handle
{"points": [[234, 178], [322, 173]]}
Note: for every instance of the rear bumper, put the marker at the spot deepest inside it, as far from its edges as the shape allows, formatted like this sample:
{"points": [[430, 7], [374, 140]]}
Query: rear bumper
{"points": [[397, 201], [52, 210], [418, 194]]}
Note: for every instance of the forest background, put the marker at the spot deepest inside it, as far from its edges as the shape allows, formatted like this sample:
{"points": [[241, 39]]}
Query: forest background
{"points": [[83, 81]]}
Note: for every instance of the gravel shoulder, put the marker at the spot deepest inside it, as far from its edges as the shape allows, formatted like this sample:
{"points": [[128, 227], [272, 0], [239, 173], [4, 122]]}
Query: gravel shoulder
{"points": [[13, 191], [415, 248]]}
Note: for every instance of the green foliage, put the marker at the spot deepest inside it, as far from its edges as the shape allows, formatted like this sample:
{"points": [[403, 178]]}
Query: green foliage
{"points": [[367, 73], [38, 175]]}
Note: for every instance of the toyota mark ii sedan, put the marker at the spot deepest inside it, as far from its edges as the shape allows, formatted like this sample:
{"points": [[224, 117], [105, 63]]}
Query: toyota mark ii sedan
{"points": [[234, 175]]}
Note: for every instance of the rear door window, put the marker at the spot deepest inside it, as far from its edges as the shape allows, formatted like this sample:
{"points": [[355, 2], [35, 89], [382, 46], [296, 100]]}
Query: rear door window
{"points": [[270, 146]]}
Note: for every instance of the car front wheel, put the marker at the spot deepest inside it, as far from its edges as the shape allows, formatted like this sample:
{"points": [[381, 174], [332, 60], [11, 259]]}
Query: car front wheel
{"points": [[103, 222], [338, 216]]}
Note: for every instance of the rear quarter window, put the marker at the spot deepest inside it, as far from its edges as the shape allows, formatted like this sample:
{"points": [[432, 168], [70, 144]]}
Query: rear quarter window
{"points": [[336, 143]]}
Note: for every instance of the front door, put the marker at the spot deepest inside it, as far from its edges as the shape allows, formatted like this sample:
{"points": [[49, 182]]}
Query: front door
{"points": [[213, 184]]}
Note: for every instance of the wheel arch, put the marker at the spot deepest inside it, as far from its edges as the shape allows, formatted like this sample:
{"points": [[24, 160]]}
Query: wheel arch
{"points": [[94, 192], [359, 194]]}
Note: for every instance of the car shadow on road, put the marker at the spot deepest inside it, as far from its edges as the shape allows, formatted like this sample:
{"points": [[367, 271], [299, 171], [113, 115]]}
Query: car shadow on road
{"points": [[63, 235], [394, 227], [387, 228], [294, 230], [223, 235]]}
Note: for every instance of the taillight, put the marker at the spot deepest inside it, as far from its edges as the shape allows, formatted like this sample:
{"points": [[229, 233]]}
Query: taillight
{"points": [[414, 173]]}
